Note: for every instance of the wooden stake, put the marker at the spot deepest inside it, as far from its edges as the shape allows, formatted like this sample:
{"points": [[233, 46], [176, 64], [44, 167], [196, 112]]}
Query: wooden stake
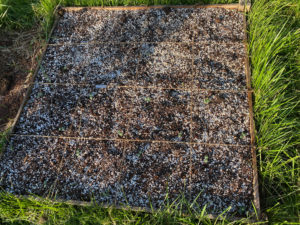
{"points": [[244, 5]]}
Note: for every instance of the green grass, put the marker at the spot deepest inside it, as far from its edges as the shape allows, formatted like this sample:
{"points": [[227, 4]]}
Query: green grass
{"points": [[274, 48], [43, 211], [274, 45], [16, 13]]}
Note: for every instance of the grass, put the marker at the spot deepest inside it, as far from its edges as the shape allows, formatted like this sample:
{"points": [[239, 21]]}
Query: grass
{"points": [[16, 13], [274, 40], [40, 211]]}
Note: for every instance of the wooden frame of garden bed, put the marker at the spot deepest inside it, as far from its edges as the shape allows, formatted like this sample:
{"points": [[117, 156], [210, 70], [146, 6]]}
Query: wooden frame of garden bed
{"points": [[239, 7]]}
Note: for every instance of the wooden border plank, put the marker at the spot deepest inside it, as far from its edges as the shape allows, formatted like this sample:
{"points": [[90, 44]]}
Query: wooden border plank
{"points": [[256, 200], [31, 79], [225, 6], [127, 207]]}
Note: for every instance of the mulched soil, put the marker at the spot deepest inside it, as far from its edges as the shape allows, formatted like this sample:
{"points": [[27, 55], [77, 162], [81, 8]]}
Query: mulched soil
{"points": [[153, 25], [31, 164], [129, 105], [213, 72]]}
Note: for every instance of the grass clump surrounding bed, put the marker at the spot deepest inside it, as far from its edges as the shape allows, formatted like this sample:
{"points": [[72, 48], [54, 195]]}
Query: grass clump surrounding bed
{"points": [[274, 40], [16, 13], [31, 210]]}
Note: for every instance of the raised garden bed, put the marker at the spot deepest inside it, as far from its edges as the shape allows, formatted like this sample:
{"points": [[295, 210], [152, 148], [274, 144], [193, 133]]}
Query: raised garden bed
{"points": [[131, 105]]}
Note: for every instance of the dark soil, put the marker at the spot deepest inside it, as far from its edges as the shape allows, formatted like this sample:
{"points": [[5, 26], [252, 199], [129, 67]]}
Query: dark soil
{"points": [[154, 25], [136, 173], [165, 65], [17, 60], [223, 67], [31, 165], [223, 176], [221, 118], [130, 105], [50, 110]]}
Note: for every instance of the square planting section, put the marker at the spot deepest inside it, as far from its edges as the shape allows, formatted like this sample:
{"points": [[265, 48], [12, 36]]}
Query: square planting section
{"points": [[31, 164], [64, 64], [223, 177], [166, 65], [112, 64], [219, 65], [221, 117], [91, 168], [149, 114], [139, 107], [151, 170], [50, 110]]}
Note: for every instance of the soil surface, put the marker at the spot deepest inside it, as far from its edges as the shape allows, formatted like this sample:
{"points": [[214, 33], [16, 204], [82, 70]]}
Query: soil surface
{"points": [[129, 106], [18, 51]]}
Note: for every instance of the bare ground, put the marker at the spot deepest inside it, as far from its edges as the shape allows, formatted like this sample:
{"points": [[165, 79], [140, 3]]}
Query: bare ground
{"points": [[18, 59]]}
